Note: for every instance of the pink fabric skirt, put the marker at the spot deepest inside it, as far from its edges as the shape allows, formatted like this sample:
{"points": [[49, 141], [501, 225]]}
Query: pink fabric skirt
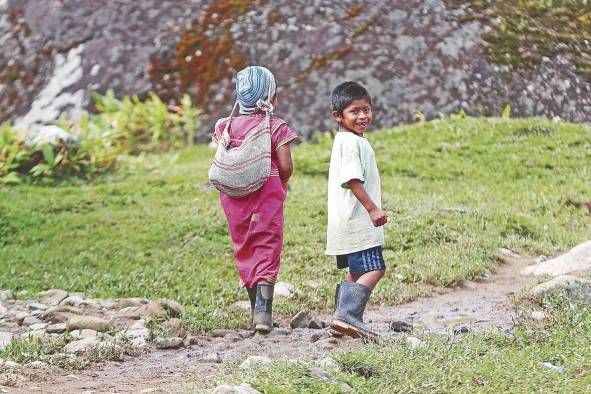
{"points": [[256, 227]]}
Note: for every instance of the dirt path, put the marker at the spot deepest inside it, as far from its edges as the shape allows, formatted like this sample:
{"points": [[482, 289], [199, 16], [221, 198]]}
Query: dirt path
{"points": [[477, 305]]}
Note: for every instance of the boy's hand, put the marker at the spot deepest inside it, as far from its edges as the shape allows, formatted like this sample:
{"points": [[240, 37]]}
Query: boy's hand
{"points": [[378, 217]]}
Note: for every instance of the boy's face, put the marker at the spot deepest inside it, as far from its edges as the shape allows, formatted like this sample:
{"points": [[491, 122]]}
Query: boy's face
{"points": [[356, 117]]}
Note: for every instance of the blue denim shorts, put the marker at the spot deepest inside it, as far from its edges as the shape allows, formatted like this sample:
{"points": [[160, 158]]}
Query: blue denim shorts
{"points": [[363, 261]]}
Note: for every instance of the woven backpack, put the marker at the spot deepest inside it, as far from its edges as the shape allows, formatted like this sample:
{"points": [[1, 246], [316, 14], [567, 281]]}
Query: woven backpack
{"points": [[239, 171]]}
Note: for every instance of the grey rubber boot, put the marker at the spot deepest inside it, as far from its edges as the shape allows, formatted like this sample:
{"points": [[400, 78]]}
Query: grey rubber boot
{"points": [[252, 295], [348, 317], [263, 309], [336, 297]]}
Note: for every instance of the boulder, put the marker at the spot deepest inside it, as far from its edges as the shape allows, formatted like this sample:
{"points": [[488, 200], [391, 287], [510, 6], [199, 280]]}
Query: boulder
{"points": [[574, 287], [577, 259]]}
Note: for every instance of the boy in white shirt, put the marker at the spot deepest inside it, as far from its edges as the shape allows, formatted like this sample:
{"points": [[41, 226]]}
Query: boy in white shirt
{"points": [[355, 217]]}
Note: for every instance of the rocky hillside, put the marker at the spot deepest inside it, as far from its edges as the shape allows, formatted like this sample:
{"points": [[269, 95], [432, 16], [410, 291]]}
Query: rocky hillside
{"points": [[436, 56]]}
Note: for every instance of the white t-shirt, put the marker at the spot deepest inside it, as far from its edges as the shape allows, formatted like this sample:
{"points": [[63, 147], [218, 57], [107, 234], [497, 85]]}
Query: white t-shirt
{"points": [[350, 228]]}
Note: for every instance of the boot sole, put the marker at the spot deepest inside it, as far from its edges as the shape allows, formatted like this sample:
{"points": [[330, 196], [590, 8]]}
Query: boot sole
{"points": [[262, 328], [342, 328]]}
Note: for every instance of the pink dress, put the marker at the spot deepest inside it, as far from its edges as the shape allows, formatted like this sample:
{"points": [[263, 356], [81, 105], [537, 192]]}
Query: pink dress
{"points": [[255, 222]]}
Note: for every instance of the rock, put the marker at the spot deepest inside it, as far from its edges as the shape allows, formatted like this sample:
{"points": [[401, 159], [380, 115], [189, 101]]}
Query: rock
{"points": [[328, 343], [168, 343], [30, 320], [138, 342], [243, 388], [300, 320], [191, 340], [175, 328], [81, 346], [316, 324], [577, 259], [320, 335], [129, 302], [462, 330], [9, 379], [22, 294], [3, 309], [220, 333], [322, 375], [256, 361], [400, 326], [233, 337], [88, 333], [72, 300], [279, 332], [37, 365], [38, 313], [60, 313], [58, 328], [36, 306], [91, 322], [20, 317], [53, 296], [240, 306], [466, 284], [212, 358], [556, 368], [284, 289], [38, 334], [5, 339], [576, 288], [330, 363], [6, 295], [38, 326], [143, 333], [538, 315], [414, 342], [172, 308], [11, 365]]}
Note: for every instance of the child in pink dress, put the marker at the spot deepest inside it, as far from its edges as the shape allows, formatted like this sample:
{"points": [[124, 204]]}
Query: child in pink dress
{"points": [[255, 221]]}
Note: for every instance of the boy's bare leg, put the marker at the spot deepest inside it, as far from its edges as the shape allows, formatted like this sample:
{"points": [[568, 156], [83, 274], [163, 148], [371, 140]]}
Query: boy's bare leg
{"points": [[368, 279]]}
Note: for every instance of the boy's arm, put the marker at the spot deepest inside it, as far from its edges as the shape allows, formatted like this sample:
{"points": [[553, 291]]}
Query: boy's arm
{"points": [[377, 215]]}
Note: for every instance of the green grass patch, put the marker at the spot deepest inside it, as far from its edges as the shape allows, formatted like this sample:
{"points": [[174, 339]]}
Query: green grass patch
{"points": [[456, 190]]}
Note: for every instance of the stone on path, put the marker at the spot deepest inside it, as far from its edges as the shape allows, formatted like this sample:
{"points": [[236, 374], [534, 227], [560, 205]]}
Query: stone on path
{"points": [[72, 300], [30, 321], [53, 296], [3, 309], [243, 388], [220, 332], [36, 306], [90, 322], [256, 361], [81, 346], [212, 358], [300, 320], [316, 324], [5, 339], [577, 259], [58, 328], [414, 342], [400, 326], [168, 343], [60, 313], [574, 287]]}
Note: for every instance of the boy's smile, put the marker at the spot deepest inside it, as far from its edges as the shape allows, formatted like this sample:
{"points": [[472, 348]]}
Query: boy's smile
{"points": [[356, 117]]}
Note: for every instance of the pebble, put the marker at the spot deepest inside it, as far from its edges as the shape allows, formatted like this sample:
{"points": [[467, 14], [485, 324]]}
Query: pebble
{"points": [[320, 335], [329, 363], [557, 368], [240, 306], [220, 333], [38, 326], [81, 346], [175, 327], [138, 333], [414, 342], [87, 321], [316, 324], [3, 309], [33, 334], [5, 339], [36, 306], [284, 289], [20, 317], [243, 388], [58, 328], [462, 330], [72, 300], [322, 375], [400, 326], [30, 320], [53, 296]]}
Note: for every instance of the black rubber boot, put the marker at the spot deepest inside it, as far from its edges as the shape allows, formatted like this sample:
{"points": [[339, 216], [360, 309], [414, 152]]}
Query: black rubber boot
{"points": [[263, 309], [348, 317]]}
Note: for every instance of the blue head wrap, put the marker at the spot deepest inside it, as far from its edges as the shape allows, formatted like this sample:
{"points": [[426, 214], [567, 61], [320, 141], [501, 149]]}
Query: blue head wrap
{"points": [[254, 83]]}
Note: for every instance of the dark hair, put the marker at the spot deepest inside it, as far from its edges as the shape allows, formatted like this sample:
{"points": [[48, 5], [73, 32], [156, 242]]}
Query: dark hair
{"points": [[343, 95]]}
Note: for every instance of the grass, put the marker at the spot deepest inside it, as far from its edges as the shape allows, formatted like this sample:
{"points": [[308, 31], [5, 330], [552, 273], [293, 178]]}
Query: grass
{"points": [[492, 362], [457, 190]]}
